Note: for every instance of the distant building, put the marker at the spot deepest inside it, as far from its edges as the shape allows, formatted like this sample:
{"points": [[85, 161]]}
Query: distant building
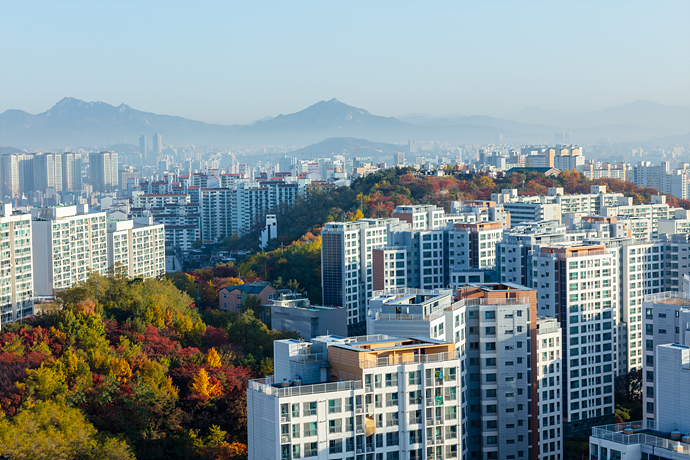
{"points": [[270, 231], [104, 171], [71, 172], [157, 144], [142, 147]]}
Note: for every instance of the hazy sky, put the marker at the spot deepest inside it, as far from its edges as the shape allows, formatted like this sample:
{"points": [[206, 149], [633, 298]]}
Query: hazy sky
{"points": [[235, 62]]}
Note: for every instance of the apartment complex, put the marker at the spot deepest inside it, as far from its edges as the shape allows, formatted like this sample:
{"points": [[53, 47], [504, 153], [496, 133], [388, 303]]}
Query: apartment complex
{"points": [[419, 247], [374, 397], [16, 275], [661, 177]]}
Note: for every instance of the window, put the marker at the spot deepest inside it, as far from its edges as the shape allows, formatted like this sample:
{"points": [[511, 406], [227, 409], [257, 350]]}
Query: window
{"points": [[334, 406], [391, 380], [309, 429], [309, 408], [310, 449], [335, 426], [335, 446]]}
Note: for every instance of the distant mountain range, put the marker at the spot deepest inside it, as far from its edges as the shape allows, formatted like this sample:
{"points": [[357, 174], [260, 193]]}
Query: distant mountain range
{"points": [[75, 123]]}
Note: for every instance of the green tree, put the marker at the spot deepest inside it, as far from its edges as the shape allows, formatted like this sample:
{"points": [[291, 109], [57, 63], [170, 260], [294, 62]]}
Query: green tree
{"points": [[51, 430], [253, 304]]}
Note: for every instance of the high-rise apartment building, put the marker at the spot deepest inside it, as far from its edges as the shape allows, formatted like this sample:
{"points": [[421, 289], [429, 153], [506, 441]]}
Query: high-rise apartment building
{"points": [[104, 171], [142, 148], [420, 246], [10, 178], [666, 317], [47, 171], [578, 285], [73, 243], [377, 397], [137, 246], [71, 172], [16, 280], [513, 361], [672, 373], [157, 144], [346, 264]]}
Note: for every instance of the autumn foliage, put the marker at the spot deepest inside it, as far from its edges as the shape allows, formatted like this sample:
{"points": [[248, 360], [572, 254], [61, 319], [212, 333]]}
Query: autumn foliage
{"points": [[137, 375]]}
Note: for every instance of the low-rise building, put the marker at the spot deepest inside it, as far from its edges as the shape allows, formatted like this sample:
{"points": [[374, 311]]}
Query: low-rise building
{"points": [[231, 298], [292, 311]]}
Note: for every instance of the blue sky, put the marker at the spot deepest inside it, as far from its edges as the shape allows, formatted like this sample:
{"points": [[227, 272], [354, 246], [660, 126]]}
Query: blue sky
{"points": [[235, 62]]}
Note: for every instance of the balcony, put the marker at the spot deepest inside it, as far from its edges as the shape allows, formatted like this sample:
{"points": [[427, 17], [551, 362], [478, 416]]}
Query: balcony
{"points": [[267, 386], [418, 359]]}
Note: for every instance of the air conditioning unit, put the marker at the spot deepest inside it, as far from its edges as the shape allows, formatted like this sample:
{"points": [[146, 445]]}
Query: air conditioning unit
{"points": [[285, 439], [283, 419], [360, 431], [360, 451], [430, 422], [358, 410], [368, 388]]}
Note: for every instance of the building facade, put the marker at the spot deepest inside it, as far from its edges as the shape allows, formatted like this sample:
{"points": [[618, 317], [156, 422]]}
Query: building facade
{"points": [[16, 272]]}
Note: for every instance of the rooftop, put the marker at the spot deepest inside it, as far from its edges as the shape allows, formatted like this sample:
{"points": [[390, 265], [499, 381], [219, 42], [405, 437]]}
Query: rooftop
{"points": [[643, 432], [669, 298]]}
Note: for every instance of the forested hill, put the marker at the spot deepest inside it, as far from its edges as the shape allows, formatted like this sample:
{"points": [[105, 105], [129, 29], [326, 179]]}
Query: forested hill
{"points": [[130, 372]]}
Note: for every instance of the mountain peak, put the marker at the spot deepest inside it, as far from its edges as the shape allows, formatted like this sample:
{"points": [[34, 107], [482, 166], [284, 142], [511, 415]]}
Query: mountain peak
{"points": [[68, 101]]}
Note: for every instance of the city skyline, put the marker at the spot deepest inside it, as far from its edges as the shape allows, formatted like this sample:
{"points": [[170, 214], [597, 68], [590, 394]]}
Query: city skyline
{"points": [[237, 63]]}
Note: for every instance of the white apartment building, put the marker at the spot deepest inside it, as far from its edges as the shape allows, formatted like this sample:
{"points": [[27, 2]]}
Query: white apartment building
{"points": [[644, 218], [501, 341], [74, 243], [419, 247], [214, 204], [526, 209], [138, 246], [578, 285], [662, 178], [665, 438], [672, 372], [648, 269], [549, 361], [16, 276], [677, 225], [370, 398], [604, 170], [553, 206], [666, 321], [346, 263]]}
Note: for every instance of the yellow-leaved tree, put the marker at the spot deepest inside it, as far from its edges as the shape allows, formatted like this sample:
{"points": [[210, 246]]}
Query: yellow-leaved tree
{"points": [[212, 358], [201, 384]]}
